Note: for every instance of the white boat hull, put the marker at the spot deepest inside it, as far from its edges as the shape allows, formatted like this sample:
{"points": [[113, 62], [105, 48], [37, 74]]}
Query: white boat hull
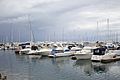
{"points": [[34, 52], [24, 51], [65, 54], [102, 57], [83, 56], [45, 52]]}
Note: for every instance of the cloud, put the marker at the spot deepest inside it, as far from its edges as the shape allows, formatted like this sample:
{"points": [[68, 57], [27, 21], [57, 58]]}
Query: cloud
{"points": [[57, 15]]}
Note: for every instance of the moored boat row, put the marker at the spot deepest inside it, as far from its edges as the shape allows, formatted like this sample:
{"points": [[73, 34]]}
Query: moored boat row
{"points": [[99, 51]]}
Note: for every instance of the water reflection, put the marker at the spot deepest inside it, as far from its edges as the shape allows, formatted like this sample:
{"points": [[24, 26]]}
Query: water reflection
{"points": [[90, 67], [28, 58], [60, 62], [85, 65], [25, 67], [100, 68]]}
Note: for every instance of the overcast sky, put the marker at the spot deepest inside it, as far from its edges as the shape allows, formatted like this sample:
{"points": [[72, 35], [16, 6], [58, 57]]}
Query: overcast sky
{"points": [[58, 19]]}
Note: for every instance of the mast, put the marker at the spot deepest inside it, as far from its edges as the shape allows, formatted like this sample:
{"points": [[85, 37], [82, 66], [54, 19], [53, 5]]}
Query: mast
{"points": [[54, 36], [97, 31], [19, 36], [11, 32], [31, 32], [49, 37], [108, 30], [63, 35], [116, 34]]}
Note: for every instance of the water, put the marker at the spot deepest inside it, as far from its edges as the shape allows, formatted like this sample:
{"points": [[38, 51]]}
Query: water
{"points": [[21, 67]]}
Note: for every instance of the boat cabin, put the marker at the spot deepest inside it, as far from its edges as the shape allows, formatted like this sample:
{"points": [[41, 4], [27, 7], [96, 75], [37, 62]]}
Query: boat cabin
{"points": [[99, 51], [34, 47]]}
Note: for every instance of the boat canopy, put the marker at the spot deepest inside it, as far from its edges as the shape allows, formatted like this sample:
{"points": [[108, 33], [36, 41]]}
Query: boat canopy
{"points": [[34, 48], [24, 44], [99, 51]]}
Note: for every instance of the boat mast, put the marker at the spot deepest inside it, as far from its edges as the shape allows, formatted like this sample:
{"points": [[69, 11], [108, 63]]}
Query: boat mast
{"points": [[116, 34], [19, 36], [54, 36], [31, 32], [63, 35], [97, 32], [108, 28], [11, 32]]}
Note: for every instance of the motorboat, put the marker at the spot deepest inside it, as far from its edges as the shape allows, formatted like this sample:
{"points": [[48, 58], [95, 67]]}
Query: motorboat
{"points": [[85, 53], [59, 52], [25, 51], [45, 51], [26, 47], [100, 54], [34, 51]]}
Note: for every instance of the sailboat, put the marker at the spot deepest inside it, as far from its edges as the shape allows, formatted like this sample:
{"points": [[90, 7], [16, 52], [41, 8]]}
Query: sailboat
{"points": [[27, 48]]}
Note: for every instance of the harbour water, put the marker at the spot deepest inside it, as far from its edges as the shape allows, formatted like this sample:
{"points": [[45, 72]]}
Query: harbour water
{"points": [[25, 67]]}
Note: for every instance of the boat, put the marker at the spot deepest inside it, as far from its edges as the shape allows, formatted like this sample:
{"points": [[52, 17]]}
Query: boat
{"points": [[59, 52], [25, 51], [85, 53], [17, 50], [26, 47], [33, 51], [101, 54], [45, 51], [62, 54]]}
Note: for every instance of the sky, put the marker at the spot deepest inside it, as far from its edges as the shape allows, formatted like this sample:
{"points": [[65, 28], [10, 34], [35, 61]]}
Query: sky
{"points": [[59, 20]]}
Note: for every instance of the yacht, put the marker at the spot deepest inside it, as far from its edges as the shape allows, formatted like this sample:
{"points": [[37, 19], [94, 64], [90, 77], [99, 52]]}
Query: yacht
{"points": [[45, 51], [60, 52], [33, 51], [26, 47], [100, 54], [85, 53]]}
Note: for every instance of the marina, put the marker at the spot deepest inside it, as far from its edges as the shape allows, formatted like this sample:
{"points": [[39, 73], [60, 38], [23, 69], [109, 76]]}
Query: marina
{"points": [[35, 66], [59, 40]]}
